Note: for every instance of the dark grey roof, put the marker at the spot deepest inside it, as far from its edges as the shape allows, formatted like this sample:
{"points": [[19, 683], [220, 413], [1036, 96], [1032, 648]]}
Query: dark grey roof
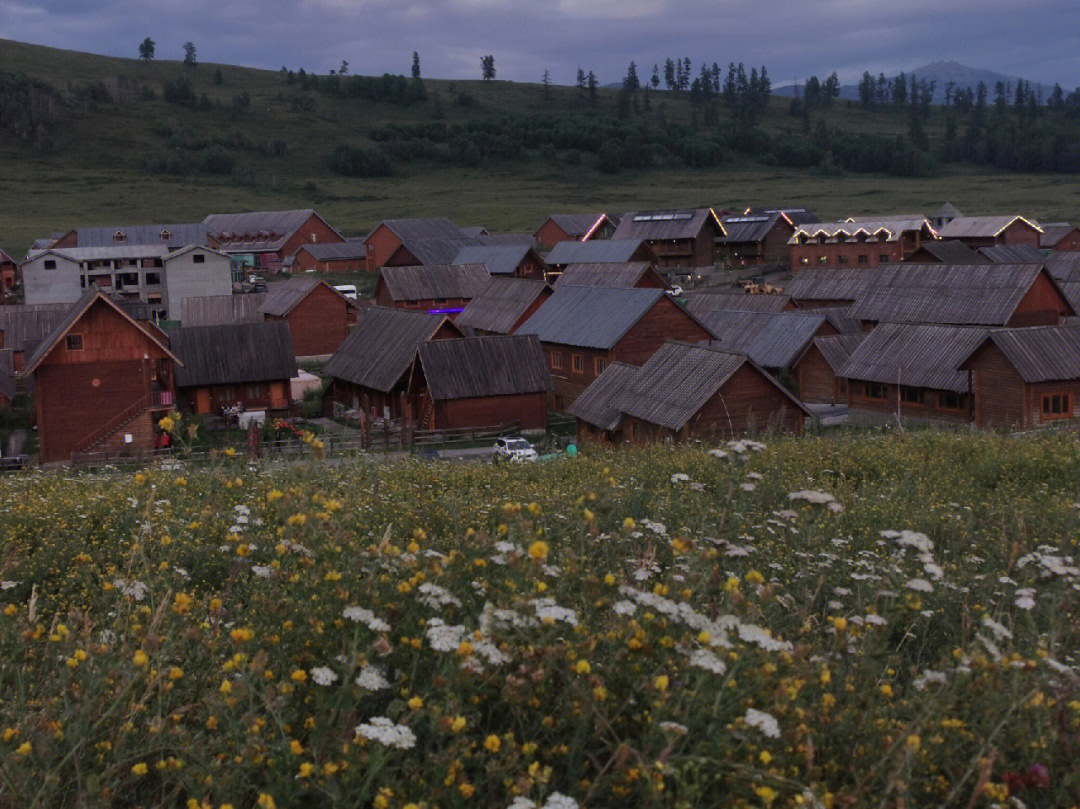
{"points": [[437, 250], [1071, 291], [425, 283], [255, 231], [1054, 233], [947, 211], [336, 251], [238, 353], [979, 227], [1063, 266], [837, 348], [500, 259], [829, 285], [474, 231], [1011, 254], [590, 317], [889, 229], [797, 216], [599, 404], [949, 252], [381, 347], [409, 230], [747, 228], [1042, 354], [598, 251], [501, 304], [575, 225], [839, 317], [284, 296], [25, 326], [657, 225], [771, 339], [918, 356], [471, 367], [614, 274], [178, 235], [219, 310], [507, 238], [700, 302], [960, 294]]}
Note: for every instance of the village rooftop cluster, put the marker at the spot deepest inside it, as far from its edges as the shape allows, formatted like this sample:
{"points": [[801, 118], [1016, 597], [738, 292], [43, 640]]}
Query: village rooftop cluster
{"points": [[644, 326]]}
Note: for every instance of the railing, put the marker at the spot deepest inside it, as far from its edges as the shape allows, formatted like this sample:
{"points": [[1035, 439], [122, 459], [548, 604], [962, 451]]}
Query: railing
{"points": [[116, 422]]}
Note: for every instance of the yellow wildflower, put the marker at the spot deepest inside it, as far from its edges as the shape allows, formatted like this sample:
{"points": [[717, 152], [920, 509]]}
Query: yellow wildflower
{"points": [[492, 743]]}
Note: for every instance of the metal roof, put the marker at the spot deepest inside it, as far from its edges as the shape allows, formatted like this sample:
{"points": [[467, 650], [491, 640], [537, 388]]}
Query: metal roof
{"points": [[1071, 291], [795, 215], [258, 230], [980, 227], [1041, 354], [472, 367], [436, 251], [381, 347], [960, 294], [336, 251], [501, 304], [590, 317], [25, 326], [747, 228], [409, 230], [430, 282], [917, 356], [840, 318], [575, 225], [829, 285], [500, 259], [173, 235], [219, 310], [947, 211], [660, 225], [948, 252], [701, 302], [613, 274], [890, 229], [1011, 254], [105, 253], [1063, 266], [771, 339], [1054, 233], [837, 348], [237, 353], [507, 238], [597, 251], [284, 296], [600, 403]]}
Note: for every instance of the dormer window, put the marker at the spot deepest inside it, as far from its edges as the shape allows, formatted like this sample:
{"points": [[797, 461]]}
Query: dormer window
{"points": [[119, 237], [165, 235]]}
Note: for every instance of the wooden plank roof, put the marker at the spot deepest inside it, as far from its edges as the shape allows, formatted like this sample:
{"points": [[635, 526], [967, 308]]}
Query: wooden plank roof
{"points": [[1053, 233], [600, 403], [607, 274], [501, 304], [920, 356], [1063, 266], [473, 367], [701, 302], [829, 284], [1011, 254], [1042, 353], [27, 325], [336, 251], [380, 348], [237, 353], [597, 251], [577, 225], [500, 259], [980, 227], [590, 317], [950, 251], [216, 310], [771, 339], [408, 230], [422, 283], [837, 348], [284, 296], [671, 224]]}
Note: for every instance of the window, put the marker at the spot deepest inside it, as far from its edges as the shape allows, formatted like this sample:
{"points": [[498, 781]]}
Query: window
{"points": [[119, 236], [841, 259], [1057, 406], [254, 391], [556, 359], [153, 279], [49, 264], [947, 400], [577, 363], [804, 261], [599, 365], [863, 258], [874, 390], [883, 258], [560, 404], [822, 259], [912, 396], [165, 235], [198, 258], [74, 342], [153, 297]]}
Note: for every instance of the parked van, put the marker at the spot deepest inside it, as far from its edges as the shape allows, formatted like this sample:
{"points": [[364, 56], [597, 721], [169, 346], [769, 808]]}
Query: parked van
{"points": [[348, 290]]}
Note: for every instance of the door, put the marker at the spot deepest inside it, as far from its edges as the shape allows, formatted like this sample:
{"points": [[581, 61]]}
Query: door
{"points": [[202, 400]]}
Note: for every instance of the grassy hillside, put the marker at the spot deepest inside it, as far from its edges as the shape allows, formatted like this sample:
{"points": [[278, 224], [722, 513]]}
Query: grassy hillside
{"points": [[95, 173], [844, 622]]}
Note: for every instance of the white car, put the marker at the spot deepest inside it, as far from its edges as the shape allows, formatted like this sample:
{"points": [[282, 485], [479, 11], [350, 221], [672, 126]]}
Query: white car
{"points": [[676, 291], [348, 290], [515, 450]]}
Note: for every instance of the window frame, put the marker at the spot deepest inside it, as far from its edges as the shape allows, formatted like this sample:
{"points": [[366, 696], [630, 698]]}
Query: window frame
{"points": [[918, 394], [556, 360], [577, 363], [961, 401], [599, 365], [878, 386], [73, 342], [1065, 403]]}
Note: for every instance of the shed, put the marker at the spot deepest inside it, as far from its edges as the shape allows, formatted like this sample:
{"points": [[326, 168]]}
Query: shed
{"points": [[438, 288], [817, 371], [512, 259], [318, 315], [219, 310], [503, 305]]}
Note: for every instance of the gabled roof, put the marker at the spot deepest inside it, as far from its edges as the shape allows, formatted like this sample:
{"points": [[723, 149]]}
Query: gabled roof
{"points": [[335, 251], [947, 211], [409, 230], [472, 367], [4, 257], [980, 227], [104, 253], [838, 348], [814, 284], [1063, 266], [284, 296], [748, 228], [918, 356], [507, 238], [74, 314], [176, 234], [960, 294], [590, 317], [840, 318], [948, 251], [434, 281], [219, 310], [501, 304], [381, 347], [657, 225], [500, 259], [237, 353], [599, 404], [795, 215], [614, 274], [598, 251], [771, 339], [578, 225], [887, 230], [259, 230], [1041, 354], [1054, 233], [701, 302], [27, 325], [435, 251], [1011, 254]]}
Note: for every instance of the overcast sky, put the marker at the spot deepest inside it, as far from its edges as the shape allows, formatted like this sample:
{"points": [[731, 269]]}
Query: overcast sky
{"points": [[1038, 39]]}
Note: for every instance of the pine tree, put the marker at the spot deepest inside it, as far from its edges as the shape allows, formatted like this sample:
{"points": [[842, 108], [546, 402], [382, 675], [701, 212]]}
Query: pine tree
{"points": [[669, 74], [415, 65], [546, 81], [655, 80], [189, 54], [631, 83], [487, 67], [591, 83], [581, 80]]}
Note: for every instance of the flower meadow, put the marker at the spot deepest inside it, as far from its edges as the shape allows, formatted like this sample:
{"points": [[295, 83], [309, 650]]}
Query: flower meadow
{"points": [[886, 621]]}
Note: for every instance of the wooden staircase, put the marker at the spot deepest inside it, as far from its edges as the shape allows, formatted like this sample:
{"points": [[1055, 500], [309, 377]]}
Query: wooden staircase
{"points": [[116, 423]]}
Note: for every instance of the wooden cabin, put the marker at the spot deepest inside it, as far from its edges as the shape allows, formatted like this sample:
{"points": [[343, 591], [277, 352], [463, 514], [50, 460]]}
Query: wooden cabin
{"points": [[600, 251], [857, 243], [481, 382], [102, 381], [1061, 237], [637, 274], [220, 310], [576, 227], [22, 327], [682, 240], [755, 240], [246, 364], [502, 306], [510, 260], [370, 371], [439, 288], [263, 239], [318, 315], [817, 370], [828, 288], [1027, 377], [719, 394], [347, 256], [585, 329], [701, 302], [773, 340], [416, 236], [945, 252], [986, 231]]}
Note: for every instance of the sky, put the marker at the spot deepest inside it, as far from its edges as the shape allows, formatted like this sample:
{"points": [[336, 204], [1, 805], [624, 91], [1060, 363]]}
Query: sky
{"points": [[1038, 40]]}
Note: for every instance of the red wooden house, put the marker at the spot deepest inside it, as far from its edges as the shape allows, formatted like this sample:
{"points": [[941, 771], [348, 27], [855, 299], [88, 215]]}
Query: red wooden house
{"points": [[268, 237], [101, 381], [423, 236], [347, 256], [576, 227], [481, 382], [682, 393], [440, 288], [817, 371], [773, 340], [370, 371], [9, 272], [986, 231], [584, 329], [1060, 237], [318, 315], [639, 274], [858, 243], [683, 240], [502, 306], [600, 251], [514, 260], [755, 240]]}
